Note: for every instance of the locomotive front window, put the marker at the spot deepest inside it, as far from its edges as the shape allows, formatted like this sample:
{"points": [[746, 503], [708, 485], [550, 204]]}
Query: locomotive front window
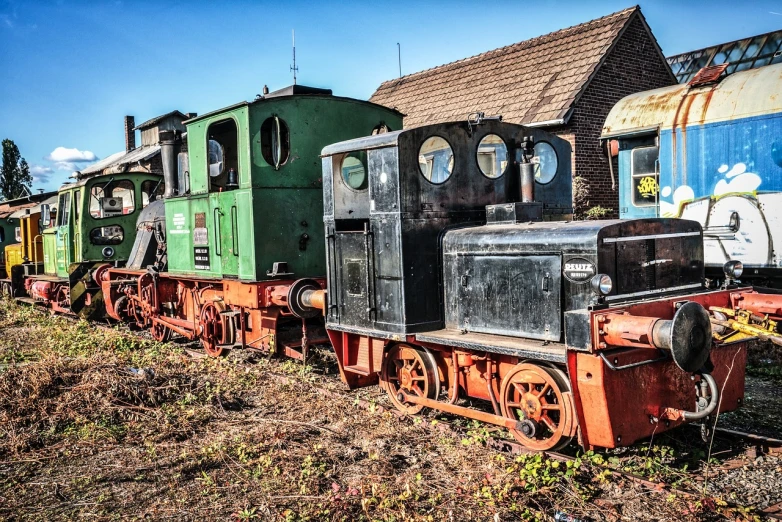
{"points": [[223, 154], [64, 206], [546, 162], [275, 141], [115, 198], [151, 191], [111, 235], [435, 159], [492, 156], [354, 170], [645, 176]]}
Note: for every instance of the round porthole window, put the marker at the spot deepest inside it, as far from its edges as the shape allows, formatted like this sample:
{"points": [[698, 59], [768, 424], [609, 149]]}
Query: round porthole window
{"points": [[354, 170], [492, 156], [546, 162], [275, 141], [435, 159]]}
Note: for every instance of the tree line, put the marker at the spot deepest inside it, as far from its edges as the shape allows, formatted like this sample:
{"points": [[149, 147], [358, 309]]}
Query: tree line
{"points": [[15, 177]]}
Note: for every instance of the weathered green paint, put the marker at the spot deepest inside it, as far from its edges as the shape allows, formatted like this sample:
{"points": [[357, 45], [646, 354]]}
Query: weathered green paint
{"points": [[69, 243], [266, 219]]}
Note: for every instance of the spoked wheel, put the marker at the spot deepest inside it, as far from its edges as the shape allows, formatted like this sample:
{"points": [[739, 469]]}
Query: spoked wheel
{"points": [[411, 370], [217, 330], [540, 399], [161, 333]]}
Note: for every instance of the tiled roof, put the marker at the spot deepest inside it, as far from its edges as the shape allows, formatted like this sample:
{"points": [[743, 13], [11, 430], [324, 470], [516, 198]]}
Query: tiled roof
{"points": [[535, 80]]}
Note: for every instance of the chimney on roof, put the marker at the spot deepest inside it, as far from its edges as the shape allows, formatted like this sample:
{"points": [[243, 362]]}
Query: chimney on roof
{"points": [[130, 134]]}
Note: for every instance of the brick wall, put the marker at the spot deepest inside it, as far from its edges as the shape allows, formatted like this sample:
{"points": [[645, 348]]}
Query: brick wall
{"points": [[633, 65]]}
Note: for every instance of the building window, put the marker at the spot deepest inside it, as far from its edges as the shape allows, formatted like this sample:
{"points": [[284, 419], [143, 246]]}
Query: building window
{"points": [[151, 191], [223, 153], [111, 235], [492, 156], [435, 159], [115, 198], [275, 141], [644, 176]]}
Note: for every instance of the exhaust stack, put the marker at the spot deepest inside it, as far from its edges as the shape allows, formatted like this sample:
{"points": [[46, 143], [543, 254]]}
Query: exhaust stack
{"points": [[169, 148]]}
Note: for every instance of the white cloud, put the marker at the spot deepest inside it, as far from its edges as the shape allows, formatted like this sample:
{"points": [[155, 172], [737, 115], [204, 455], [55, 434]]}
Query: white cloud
{"points": [[66, 155], [40, 173]]}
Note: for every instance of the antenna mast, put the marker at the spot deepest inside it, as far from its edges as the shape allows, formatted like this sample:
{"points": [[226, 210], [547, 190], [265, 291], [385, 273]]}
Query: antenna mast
{"points": [[399, 51], [294, 69]]}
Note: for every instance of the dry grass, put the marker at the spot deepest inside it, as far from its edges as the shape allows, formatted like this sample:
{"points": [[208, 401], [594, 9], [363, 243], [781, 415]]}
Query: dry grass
{"points": [[85, 434]]}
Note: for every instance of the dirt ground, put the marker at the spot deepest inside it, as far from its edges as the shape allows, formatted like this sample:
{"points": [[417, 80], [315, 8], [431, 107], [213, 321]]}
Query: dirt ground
{"points": [[101, 424]]}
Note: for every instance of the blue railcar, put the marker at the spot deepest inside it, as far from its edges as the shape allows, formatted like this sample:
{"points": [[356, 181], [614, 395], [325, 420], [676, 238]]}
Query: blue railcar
{"points": [[712, 152]]}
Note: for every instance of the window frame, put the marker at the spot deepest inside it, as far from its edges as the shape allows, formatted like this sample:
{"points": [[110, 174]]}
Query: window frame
{"points": [[507, 156], [556, 168], [102, 186], [365, 164], [655, 173], [453, 159]]}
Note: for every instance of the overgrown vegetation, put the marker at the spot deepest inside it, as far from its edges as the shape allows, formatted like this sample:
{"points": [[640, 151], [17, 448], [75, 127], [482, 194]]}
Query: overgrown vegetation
{"points": [[582, 207], [98, 423]]}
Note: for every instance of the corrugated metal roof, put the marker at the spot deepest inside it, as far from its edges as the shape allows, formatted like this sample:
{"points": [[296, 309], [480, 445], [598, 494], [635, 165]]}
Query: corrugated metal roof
{"points": [[123, 158], [749, 93], [157, 119], [52, 202]]}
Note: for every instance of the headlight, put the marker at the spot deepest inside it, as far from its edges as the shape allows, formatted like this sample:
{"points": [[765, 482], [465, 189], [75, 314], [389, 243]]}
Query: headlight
{"points": [[602, 284], [108, 252], [733, 269]]}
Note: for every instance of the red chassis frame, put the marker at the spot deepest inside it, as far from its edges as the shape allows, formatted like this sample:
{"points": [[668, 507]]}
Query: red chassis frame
{"points": [[204, 308], [613, 407]]}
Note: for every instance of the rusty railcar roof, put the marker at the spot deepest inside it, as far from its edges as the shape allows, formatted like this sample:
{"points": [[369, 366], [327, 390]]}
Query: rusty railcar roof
{"points": [[754, 92]]}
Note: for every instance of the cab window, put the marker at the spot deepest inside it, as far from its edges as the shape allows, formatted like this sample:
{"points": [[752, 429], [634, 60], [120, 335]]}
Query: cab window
{"points": [[222, 153], [2, 235], [275, 141], [76, 203], [64, 207], [151, 191], [110, 235], [644, 176], [115, 198]]}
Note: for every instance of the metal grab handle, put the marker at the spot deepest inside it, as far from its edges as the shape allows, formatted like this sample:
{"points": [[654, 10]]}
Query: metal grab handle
{"points": [[235, 230], [218, 235], [663, 356], [715, 399]]}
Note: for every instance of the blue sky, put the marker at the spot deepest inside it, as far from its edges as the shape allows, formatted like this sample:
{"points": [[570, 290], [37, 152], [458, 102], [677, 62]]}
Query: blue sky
{"points": [[70, 71]]}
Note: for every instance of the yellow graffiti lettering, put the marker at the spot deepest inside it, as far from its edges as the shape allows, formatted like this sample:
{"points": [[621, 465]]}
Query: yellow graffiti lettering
{"points": [[648, 187]]}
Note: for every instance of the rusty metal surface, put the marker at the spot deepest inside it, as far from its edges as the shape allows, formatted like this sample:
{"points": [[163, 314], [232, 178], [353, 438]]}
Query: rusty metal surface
{"points": [[748, 93]]}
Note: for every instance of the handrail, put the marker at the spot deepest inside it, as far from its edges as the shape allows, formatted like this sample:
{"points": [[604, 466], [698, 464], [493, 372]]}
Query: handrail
{"points": [[35, 251]]}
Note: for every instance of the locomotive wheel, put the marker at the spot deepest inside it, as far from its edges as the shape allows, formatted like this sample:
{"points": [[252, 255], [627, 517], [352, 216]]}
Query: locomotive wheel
{"points": [[216, 329], [412, 370], [161, 333], [538, 398]]}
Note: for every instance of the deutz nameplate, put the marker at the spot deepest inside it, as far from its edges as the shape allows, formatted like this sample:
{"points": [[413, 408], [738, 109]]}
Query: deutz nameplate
{"points": [[201, 258], [578, 270]]}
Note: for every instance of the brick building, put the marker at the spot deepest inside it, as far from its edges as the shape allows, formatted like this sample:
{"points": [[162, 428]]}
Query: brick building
{"points": [[565, 81]]}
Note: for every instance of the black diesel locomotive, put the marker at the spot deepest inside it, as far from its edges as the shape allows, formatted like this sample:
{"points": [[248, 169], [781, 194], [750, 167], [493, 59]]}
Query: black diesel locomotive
{"points": [[454, 273]]}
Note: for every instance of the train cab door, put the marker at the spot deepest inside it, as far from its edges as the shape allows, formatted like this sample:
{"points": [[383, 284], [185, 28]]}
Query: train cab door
{"points": [[639, 185], [225, 223], [354, 274], [64, 234]]}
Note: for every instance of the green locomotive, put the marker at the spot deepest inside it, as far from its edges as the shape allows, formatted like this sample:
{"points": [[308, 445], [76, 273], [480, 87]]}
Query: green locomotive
{"points": [[94, 226], [242, 216]]}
